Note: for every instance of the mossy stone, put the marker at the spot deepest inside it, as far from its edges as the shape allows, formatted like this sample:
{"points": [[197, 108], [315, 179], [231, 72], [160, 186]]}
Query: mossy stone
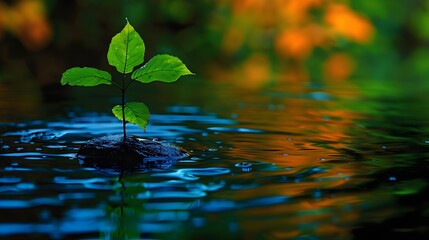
{"points": [[133, 153]]}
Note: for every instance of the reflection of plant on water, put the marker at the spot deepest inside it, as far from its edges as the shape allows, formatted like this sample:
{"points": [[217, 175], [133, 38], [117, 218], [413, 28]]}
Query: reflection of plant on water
{"points": [[139, 208], [123, 217]]}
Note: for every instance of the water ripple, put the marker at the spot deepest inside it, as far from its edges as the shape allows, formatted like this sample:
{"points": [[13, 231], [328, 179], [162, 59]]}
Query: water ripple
{"points": [[91, 183], [225, 205], [234, 130], [171, 194], [14, 204], [193, 173], [34, 154], [9, 179]]}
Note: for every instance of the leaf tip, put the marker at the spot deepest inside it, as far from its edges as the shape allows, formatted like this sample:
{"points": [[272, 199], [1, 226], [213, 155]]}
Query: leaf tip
{"points": [[190, 73]]}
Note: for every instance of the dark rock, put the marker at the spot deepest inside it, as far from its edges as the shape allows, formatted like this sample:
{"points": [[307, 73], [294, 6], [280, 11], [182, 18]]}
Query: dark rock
{"points": [[133, 154]]}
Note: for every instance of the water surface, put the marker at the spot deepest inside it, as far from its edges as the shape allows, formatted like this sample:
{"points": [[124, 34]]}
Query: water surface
{"points": [[309, 162]]}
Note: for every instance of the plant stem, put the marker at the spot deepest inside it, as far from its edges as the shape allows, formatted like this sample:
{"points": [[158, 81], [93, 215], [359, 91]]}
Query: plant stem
{"points": [[124, 122]]}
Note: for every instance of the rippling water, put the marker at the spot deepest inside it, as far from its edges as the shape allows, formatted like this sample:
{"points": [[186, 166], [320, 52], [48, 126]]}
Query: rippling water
{"points": [[313, 163]]}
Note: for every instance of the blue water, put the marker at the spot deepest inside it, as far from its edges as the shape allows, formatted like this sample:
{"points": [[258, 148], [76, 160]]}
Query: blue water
{"points": [[311, 164]]}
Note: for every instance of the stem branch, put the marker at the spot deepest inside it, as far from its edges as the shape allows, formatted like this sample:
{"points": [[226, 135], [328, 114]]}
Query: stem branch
{"points": [[129, 84], [124, 122], [116, 85]]}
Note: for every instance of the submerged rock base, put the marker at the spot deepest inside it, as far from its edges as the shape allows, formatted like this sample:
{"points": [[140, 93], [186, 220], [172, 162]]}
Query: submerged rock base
{"points": [[131, 154]]}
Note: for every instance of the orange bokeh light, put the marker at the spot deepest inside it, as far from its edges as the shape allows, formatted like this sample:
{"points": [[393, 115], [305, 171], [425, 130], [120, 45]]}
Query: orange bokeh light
{"points": [[291, 30], [338, 66], [26, 19], [347, 23], [294, 43], [296, 11]]}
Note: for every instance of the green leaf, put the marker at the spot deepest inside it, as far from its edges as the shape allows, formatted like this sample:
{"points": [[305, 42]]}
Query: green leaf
{"points": [[135, 113], [86, 77], [126, 50], [164, 68]]}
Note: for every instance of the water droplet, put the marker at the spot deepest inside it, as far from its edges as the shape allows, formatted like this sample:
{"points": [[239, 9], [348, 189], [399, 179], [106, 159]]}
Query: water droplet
{"points": [[392, 178], [289, 139], [198, 222], [25, 186], [285, 154], [317, 194], [243, 164], [320, 96], [241, 105], [45, 215], [212, 150]]}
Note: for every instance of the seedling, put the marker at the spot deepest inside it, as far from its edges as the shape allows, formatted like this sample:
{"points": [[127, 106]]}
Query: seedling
{"points": [[126, 51]]}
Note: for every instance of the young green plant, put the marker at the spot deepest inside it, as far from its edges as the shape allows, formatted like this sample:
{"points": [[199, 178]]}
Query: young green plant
{"points": [[126, 51]]}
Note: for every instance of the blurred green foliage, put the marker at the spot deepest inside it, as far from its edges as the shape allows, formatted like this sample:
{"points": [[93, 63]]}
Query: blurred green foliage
{"points": [[229, 40]]}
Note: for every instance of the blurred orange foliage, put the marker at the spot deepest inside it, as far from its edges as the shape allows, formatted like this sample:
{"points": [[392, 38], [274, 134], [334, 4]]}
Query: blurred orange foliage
{"points": [[292, 29], [296, 11], [26, 19], [347, 23], [256, 69], [296, 30], [339, 66], [233, 39], [294, 43]]}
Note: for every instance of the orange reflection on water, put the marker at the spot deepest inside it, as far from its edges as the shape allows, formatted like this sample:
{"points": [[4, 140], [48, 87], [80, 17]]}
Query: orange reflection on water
{"points": [[330, 216], [298, 131], [326, 217]]}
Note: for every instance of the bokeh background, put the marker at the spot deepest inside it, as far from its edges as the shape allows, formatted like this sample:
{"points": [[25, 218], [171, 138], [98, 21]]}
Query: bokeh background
{"points": [[246, 44], [294, 87]]}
